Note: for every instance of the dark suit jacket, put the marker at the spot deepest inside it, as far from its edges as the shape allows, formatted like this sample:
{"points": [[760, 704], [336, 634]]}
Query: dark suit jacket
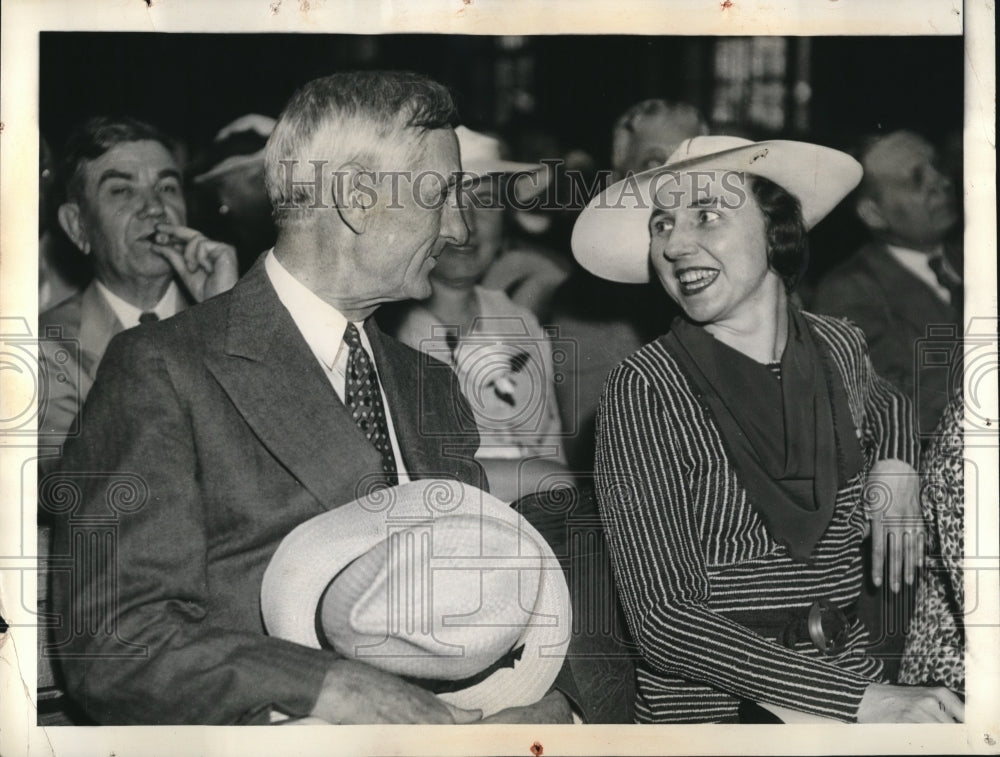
{"points": [[206, 439], [895, 309]]}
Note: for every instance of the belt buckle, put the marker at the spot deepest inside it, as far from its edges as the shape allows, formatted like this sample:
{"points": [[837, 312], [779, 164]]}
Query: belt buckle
{"points": [[836, 620]]}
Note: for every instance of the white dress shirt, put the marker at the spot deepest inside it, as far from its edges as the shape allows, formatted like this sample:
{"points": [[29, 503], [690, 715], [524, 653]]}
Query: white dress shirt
{"points": [[170, 304], [323, 327], [918, 263]]}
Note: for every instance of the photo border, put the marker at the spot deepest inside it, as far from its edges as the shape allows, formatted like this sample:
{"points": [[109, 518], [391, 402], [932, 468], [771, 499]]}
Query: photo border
{"points": [[23, 20]]}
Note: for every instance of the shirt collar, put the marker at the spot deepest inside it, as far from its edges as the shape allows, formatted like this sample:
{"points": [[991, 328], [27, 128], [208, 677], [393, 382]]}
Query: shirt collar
{"points": [[915, 256], [319, 322], [919, 264], [128, 314]]}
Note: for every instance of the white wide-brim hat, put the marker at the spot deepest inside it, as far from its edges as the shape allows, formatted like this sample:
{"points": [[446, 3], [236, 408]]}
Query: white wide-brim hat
{"points": [[432, 580], [611, 236]]}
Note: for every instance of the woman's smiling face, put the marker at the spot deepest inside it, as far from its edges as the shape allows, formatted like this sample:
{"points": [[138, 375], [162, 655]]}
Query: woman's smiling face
{"points": [[708, 246]]}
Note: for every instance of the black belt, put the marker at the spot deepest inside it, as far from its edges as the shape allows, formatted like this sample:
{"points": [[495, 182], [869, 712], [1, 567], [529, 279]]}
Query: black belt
{"points": [[822, 623]]}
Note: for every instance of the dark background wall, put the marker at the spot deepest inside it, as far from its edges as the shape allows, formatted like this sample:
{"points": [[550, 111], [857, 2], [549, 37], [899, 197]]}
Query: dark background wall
{"points": [[571, 88], [192, 84]]}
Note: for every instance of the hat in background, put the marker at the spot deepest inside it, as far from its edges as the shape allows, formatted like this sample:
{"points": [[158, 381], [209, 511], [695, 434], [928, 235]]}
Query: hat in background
{"points": [[481, 156], [238, 145], [433, 580], [611, 236]]}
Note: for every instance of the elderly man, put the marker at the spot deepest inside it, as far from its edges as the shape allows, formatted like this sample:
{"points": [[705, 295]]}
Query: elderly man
{"points": [[230, 425], [906, 280], [125, 211]]}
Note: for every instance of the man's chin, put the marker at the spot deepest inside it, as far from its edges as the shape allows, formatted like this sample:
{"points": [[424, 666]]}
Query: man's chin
{"points": [[421, 290], [151, 261]]}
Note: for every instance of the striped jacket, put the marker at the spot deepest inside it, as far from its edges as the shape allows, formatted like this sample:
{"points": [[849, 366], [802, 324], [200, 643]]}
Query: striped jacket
{"points": [[689, 550]]}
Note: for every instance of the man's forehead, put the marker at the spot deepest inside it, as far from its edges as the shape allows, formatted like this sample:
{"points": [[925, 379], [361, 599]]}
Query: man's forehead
{"points": [[896, 153], [131, 157], [665, 128], [427, 150]]}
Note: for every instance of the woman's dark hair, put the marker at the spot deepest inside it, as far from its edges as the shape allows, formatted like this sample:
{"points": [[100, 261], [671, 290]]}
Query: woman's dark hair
{"points": [[784, 228]]}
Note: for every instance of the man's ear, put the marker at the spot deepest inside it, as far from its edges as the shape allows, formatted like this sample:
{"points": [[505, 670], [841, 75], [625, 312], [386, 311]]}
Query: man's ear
{"points": [[871, 214], [355, 195], [71, 221]]}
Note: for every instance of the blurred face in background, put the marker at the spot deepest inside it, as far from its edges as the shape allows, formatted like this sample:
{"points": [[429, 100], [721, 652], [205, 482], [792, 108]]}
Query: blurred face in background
{"points": [[462, 266], [910, 202], [651, 138]]}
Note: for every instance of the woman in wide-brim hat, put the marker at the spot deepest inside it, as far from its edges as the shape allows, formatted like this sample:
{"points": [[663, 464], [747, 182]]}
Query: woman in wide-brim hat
{"points": [[733, 452]]}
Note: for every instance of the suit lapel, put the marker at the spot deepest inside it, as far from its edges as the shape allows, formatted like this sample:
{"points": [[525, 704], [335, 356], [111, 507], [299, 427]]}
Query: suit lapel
{"points": [[276, 383], [912, 299], [98, 324]]}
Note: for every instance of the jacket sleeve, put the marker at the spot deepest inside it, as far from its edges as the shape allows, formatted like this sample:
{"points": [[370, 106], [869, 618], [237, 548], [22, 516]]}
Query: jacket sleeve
{"points": [[888, 431], [138, 643], [646, 503], [851, 296]]}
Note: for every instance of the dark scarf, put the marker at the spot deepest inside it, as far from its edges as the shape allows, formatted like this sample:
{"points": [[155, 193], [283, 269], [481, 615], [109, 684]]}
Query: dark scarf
{"points": [[792, 441]]}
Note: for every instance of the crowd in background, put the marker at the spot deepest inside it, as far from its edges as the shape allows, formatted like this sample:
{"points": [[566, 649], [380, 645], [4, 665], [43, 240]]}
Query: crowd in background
{"points": [[533, 336]]}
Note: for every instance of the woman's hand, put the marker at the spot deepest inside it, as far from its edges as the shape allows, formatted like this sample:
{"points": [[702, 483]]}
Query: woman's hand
{"points": [[910, 704], [892, 499]]}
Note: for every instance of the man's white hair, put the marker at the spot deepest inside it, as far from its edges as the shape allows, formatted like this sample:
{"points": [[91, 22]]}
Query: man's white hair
{"points": [[372, 118]]}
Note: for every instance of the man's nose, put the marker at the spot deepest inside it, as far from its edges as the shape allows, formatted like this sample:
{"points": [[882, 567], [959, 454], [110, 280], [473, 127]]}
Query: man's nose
{"points": [[941, 179], [453, 225], [152, 204]]}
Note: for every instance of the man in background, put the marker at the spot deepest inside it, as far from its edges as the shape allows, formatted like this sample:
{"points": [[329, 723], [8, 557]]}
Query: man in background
{"points": [[908, 279], [898, 288], [124, 209], [229, 198], [646, 134], [240, 419]]}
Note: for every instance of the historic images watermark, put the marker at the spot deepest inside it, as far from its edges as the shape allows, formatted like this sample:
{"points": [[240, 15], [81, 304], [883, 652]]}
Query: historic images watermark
{"points": [[564, 189]]}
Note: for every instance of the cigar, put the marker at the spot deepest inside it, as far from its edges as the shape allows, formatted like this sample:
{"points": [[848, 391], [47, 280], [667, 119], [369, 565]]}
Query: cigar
{"points": [[165, 239]]}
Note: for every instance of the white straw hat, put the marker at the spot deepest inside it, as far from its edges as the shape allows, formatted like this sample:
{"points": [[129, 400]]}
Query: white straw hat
{"points": [[432, 580], [611, 236]]}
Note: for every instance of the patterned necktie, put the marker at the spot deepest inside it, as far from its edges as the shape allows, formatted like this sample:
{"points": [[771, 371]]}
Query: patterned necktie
{"points": [[364, 400]]}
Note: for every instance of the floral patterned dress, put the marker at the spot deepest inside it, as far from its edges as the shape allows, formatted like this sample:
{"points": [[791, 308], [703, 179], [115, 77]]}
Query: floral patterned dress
{"points": [[935, 645]]}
